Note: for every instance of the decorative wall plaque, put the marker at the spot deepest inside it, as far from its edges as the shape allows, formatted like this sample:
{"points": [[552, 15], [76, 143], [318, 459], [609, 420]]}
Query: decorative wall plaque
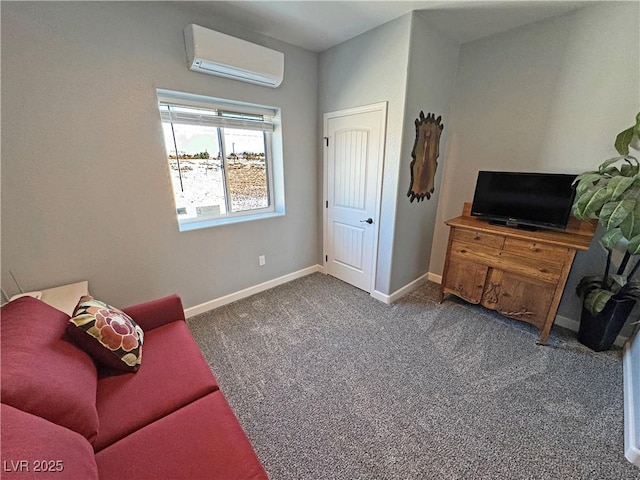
{"points": [[426, 151]]}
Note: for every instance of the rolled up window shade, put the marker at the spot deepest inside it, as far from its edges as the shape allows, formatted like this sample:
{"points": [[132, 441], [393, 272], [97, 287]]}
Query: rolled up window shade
{"points": [[189, 115]]}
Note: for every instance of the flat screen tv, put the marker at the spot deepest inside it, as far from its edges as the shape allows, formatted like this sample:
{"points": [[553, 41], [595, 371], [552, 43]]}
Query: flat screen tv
{"points": [[524, 200]]}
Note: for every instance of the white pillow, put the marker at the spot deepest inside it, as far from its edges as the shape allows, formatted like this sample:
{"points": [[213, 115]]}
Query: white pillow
{"points": [[64, 298]]}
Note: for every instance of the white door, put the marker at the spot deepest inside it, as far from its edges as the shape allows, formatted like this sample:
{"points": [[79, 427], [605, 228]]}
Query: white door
{"points": [[354, 152]]}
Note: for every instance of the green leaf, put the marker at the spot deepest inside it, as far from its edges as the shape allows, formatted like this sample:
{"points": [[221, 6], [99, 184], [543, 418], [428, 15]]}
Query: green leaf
{"points": [[625, 137], [586, 180], [635, 188], [623, 140], [613, 214], [588, 283], [630, 169], [603, 168], [634, 245], [590, 202], [597, 299], [611, 172], [581, 178], [611, 238], [630, 227], [619, 281], [617, 186]]}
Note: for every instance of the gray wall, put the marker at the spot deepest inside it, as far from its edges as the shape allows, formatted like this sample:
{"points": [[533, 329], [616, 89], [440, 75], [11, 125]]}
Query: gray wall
{"points": [[433, 61], [412, 67], [545, 97], [85, 185], [372, 68]]}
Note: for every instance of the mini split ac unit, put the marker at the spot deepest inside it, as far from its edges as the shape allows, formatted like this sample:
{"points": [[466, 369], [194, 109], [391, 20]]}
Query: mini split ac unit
{"points": [[215, 53]]}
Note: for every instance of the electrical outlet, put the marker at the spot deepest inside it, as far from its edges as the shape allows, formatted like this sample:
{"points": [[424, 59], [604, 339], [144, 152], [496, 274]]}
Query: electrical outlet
{"points": [[261, 260]]}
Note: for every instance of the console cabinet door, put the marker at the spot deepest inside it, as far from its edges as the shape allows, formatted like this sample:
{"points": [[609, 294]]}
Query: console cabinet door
{"points": [[466, 280], [523, 299]]}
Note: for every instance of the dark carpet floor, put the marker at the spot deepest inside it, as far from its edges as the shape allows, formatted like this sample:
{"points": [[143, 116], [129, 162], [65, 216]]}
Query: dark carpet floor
{"points": [[329, 383]]}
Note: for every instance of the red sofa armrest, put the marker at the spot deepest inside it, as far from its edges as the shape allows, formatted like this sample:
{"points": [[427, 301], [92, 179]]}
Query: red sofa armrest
{"points": [[153, 314]]}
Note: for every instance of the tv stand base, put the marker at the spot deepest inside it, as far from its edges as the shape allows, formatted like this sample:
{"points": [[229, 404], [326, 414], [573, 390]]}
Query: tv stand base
{"points": [[518, 226]]}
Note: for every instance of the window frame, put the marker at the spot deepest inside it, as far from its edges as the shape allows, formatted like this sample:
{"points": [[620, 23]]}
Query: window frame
{"points": [[272, 149], [268, 160]]}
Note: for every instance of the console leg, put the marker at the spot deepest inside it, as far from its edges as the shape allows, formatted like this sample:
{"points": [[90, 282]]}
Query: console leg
{"points": [[543, 338]]}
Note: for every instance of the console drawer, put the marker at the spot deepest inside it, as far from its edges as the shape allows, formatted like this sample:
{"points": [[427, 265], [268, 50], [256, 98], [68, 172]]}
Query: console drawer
{"points": [[537, 250], [478, 238], [528, 266]]}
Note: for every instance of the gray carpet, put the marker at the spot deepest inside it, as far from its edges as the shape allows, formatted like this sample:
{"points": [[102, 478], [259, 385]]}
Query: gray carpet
{"points": [[329, 383]]}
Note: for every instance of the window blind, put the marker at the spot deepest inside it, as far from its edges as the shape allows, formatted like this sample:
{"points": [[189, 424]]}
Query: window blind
{"points": [[188, 115]]}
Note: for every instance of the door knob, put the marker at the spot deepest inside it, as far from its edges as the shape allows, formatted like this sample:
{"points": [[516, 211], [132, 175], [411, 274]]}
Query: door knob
{"points": [[368, 220]]}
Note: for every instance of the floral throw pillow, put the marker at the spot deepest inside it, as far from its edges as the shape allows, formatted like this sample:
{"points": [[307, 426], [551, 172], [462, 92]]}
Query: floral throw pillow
{"points": [[109, 335]]}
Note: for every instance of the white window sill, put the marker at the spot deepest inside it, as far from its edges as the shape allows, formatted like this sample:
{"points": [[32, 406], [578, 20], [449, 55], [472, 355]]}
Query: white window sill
{"points": [[185, 227]]}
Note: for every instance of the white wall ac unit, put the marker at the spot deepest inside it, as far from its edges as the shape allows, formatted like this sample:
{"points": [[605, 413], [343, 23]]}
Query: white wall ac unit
{"points": [[215, 53]]}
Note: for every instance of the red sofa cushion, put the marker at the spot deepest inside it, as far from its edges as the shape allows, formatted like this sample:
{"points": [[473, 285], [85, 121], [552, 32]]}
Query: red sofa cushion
{"points": [[158, 312], [42, 372], [33, 447], [173, 374], [201, 440], [106, 333]]}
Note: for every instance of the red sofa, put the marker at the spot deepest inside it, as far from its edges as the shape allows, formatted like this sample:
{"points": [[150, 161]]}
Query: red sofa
{"points": [[61, 418]]}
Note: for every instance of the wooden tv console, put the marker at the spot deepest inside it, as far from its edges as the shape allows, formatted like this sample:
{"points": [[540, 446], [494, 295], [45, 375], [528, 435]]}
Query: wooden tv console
{"points": [[521, 274]]}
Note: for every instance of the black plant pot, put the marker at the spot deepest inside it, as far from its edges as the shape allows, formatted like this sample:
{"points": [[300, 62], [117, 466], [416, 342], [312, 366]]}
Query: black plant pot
{"points": [[600, 331]]}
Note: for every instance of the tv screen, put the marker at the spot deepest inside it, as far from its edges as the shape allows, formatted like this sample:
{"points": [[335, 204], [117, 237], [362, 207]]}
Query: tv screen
{"points": [[524, 199]]}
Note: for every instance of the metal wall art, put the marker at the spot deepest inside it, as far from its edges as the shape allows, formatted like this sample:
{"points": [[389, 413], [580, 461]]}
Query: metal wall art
{"points": [[426, 151]]}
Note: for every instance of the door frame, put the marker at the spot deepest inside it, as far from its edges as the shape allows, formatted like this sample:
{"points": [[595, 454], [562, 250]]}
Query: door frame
{"points": [[374, 107]]}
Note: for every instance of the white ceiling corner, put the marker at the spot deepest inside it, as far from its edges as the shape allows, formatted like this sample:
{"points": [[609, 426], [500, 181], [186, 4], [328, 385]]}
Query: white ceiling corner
{"points": [[319, 25]]}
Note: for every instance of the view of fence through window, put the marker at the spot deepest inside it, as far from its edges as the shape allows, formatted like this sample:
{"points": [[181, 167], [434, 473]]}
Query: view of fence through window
{"points": [[205, 154]]}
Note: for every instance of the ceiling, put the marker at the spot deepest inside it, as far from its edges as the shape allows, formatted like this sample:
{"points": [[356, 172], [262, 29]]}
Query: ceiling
{"points": [[318, 25]]}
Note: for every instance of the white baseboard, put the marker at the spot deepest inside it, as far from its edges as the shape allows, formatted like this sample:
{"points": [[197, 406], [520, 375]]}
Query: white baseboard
{"points": [[381, 297], [247, 292], [631, 367], [568, 323], [435, 278], [388, 299]]}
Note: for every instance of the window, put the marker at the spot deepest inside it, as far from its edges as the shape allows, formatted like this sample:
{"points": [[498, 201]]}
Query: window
{"points": [[221, 159]]}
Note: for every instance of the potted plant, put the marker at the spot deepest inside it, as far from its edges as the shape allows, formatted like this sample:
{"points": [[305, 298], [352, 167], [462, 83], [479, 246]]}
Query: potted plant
{"points": [[612, 195]]}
